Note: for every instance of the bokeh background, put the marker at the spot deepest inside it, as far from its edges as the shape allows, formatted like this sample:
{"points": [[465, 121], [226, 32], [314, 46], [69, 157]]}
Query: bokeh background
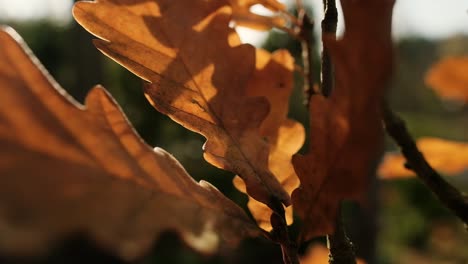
{"points": [[405, 223]]}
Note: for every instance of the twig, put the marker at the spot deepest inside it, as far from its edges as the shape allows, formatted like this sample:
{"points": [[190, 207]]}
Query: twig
{"points": [[446, 193], [300, 5], [281, 236], [291, 32], [341, 248], [298, 68], [292, 18], [307, 40], [329, 24]]}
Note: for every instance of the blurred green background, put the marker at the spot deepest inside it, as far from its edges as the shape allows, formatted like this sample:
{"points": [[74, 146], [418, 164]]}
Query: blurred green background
{"points": [[405, 223]]}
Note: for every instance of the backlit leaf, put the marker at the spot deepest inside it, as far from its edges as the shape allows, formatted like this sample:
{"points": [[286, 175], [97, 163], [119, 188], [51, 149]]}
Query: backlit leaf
{"points": [[273, 79], [448, 157], [68, 168], [346, 131], [319, 254], [198, 71], [243, 16]]}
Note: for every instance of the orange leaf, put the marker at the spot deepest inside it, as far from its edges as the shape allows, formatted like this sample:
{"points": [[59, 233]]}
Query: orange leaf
{"points": [[346, 134], [449, 78], [318, 254], [67, 168], [273, 79], [449, 157], [244, 17], [199, 73]]}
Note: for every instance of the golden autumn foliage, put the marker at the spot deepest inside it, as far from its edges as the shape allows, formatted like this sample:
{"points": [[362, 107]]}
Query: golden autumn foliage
{"points": [[67, 168], [273, 79], [449, 78], [243, 16], [198, 72], [319, 254], [446, 156], [346, 132]]}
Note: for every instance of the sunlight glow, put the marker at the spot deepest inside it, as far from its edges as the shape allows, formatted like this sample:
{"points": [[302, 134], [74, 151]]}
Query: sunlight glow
{"points": [[58, 11], [431, 19]]}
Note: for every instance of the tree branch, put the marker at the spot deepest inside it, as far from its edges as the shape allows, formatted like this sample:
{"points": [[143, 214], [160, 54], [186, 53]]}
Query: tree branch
{"points": [[341, 248], [329, 24], [446, 193]]}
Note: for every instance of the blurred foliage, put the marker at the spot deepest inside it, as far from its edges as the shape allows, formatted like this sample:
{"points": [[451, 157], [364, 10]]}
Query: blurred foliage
{"points": [[412, 225], [70, 57]]}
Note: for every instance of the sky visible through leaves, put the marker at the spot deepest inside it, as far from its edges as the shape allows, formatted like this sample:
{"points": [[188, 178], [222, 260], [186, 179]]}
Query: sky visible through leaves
{"points": [[434, 19], [247, 128]]}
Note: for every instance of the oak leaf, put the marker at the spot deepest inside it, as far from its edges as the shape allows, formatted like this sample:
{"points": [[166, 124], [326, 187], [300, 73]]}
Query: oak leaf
{"points": [[345, 129], [449, 157], [67, 168], [449, 78], [319, 254], [198, 71], [273, 79], [243, 16]]}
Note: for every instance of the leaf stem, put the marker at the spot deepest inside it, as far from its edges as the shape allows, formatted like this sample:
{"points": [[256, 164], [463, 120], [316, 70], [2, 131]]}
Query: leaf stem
{"points": [[329, 24], [448, 195], [340, 246], [281, 236], [300, 5], [307, 43]]}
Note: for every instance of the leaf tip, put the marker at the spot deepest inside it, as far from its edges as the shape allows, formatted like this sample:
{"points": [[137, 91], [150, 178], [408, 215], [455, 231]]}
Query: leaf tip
{"points": [[78, 8], [7, 32], [98, 92]]}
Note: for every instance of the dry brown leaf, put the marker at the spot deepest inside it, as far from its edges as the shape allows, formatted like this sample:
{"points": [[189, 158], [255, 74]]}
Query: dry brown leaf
{"points": [[67, 168], [319, 254], [273, 79], [449, 78], [199, 73], [449, 157], [242, 15], [345, 139]]}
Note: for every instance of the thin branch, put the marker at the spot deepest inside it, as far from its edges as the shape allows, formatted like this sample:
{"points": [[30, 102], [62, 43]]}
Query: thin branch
{"points": [[329, 24], [292, 18], [291, 32], [281, 236], [301, 11], [341, 248], [307, 44], [446, 193], [298, 68], [300, 5]]}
